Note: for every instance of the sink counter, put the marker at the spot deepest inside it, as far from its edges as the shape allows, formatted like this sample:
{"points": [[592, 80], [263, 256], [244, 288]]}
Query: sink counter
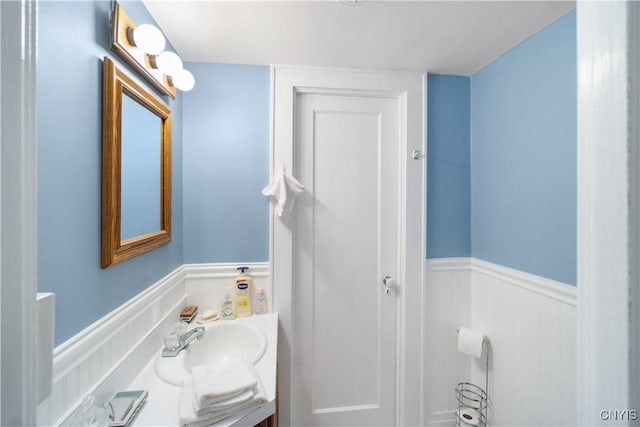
{"points": [[161, 408]]}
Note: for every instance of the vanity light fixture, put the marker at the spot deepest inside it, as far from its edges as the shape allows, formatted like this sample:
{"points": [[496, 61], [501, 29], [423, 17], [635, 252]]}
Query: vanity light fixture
{"points": [[147, 38], [183, 80], [142, 47], [167, 62]]}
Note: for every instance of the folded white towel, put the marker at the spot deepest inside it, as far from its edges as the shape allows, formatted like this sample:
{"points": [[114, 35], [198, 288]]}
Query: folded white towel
{"points": [[228, 379], [188, 417], [249, 398], [194, 415], [229, 411], [221, 404], [282, 190]]}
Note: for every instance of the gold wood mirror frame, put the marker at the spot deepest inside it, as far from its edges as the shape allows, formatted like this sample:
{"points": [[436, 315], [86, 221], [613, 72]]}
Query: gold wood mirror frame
{"points": [[116, 84]]}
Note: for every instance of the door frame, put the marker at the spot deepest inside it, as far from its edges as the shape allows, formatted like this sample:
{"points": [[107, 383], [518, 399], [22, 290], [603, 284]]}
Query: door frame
{"points": [[608, 367], [18, 195], [410, 89]]}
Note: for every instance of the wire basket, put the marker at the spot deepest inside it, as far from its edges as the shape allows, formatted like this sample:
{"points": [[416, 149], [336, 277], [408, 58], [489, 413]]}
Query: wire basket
{"points": [[472, 405]]}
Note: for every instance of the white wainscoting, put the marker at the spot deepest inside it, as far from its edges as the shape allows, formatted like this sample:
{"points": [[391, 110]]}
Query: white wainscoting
{"points": [[531, 324], [205, 283], [529, 320], [448, 305], [109, 354]]}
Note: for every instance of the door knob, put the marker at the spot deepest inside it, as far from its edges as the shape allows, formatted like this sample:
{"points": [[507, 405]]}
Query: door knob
{"points": [[388, 283]]}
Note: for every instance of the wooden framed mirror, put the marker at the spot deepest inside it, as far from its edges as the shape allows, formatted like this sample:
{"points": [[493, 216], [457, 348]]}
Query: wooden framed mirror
{"points": [[136, 168]]}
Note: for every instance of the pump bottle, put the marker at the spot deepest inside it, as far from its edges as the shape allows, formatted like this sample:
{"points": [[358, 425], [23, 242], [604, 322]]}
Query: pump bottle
{"points": [[243, 293]]}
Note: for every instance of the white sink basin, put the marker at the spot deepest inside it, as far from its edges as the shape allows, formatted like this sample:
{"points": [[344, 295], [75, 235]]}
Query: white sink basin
{"points": [[222, 340]]}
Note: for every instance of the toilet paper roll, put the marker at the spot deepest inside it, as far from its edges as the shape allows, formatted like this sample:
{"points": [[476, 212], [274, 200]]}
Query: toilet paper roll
{"points": [[470, 342], [468, 416]]}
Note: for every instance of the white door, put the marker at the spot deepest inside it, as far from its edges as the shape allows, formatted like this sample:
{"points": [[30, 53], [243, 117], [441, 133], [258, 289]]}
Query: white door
{"points": [[348, 354], [345, 241]]}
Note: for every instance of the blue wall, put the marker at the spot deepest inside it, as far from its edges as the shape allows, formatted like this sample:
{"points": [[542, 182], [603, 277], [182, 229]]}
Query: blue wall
{"points": [[501, 166], [73, 38], [448, 168], [523, 155], [226, 164]]}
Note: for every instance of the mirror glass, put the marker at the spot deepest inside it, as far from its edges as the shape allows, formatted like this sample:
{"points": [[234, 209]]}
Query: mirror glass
{"points": [[140, 170], [136, 168]]}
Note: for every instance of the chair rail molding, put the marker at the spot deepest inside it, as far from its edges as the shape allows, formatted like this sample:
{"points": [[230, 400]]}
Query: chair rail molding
{"points": [[550, 288], [541, 285]]}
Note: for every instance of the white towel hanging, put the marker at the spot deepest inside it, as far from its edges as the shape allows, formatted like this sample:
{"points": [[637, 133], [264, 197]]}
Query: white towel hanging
{"points": [[283, 190]]}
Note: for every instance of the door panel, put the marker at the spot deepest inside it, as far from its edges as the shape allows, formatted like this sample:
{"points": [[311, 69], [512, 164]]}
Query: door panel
{"points": [[345, 242]]}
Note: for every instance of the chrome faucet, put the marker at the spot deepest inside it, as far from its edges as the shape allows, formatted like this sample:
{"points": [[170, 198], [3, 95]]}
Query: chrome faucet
{"points": [[183, 341]]}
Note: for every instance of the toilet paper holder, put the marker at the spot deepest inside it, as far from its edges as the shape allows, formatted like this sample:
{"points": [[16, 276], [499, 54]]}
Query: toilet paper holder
{"points": [[472, 405], [472, 399]]}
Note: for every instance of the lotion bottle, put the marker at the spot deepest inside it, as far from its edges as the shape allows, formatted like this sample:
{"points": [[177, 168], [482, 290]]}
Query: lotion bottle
{"points": [[261, 302], [243, 293]]}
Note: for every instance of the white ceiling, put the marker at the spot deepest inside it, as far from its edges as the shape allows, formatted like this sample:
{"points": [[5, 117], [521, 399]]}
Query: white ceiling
{"points": [[452, 37]]}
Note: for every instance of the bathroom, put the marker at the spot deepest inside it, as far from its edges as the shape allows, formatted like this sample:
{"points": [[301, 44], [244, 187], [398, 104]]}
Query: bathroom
{"points": [[498, 236]]}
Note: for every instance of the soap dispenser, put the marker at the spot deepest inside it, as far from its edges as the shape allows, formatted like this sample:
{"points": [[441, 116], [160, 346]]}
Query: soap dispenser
{"points": [[226, 311], [243, 293]]}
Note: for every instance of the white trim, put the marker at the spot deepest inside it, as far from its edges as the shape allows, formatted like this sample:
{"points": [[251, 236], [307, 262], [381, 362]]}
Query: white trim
{"points": [[391, 73], [541, 285], [422, 200], [607, 208], [443, 418], [18, 215], [45, 315], [272, 168], [449, 264], [223, 270], [410, 88], [634, 204]]}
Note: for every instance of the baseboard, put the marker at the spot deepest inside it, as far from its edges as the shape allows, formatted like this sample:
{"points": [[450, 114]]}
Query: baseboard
{"points": [[443, 418]]}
